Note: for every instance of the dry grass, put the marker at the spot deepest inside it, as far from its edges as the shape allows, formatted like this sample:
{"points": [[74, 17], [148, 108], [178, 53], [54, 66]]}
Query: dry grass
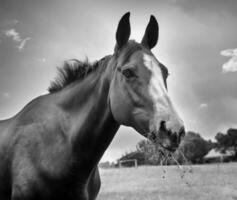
{"points": [[199, 182]]}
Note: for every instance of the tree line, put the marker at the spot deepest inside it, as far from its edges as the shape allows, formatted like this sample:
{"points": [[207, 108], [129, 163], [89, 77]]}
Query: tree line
{"points": [[193, 148]]}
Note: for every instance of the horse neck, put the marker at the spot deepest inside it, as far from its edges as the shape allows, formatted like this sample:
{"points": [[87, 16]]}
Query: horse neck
{"points": [[91, 124]]}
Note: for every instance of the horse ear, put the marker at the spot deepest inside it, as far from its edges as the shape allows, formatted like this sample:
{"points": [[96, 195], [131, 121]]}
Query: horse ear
{"points": [[151, 35], [123, 30]]}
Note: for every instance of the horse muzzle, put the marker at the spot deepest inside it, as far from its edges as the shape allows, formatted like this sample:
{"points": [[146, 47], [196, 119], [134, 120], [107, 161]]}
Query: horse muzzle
{"points": [[166, 138]]}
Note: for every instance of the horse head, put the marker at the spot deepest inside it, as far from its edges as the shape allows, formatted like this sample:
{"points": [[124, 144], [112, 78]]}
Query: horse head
{"points": [[138, 92]]}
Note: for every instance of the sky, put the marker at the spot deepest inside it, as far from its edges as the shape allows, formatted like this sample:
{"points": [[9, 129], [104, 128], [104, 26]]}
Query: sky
{"points": [[197, 42]]}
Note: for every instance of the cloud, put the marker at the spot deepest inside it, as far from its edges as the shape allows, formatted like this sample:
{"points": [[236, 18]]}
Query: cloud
{"points": [[23, 43], [15, 36], [229, 52], [231, 64], [203, 106]]}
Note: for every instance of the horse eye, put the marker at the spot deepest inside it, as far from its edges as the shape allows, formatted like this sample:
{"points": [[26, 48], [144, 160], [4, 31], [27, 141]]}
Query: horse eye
{"points": [[128, 73]]}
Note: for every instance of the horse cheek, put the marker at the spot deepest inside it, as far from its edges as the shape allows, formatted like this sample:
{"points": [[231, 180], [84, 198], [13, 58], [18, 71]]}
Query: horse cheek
{"points": [[120, 105]]}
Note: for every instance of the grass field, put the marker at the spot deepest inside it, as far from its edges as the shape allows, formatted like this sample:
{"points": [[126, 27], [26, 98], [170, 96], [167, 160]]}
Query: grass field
{"points": [[197, 182]]}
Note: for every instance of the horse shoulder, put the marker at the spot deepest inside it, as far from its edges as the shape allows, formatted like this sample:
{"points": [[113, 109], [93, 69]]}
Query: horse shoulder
{"points": [[39, 136]]}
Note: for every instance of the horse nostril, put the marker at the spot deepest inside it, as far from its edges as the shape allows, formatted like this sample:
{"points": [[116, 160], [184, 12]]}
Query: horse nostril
{"points": [[169, 132], [181, 132], [174, 138], [162, 125]]}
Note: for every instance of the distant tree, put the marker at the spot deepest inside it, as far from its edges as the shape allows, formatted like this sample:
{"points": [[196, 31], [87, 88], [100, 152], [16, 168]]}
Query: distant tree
{"points": [[227, 142], [151, 151], [192, 148]]}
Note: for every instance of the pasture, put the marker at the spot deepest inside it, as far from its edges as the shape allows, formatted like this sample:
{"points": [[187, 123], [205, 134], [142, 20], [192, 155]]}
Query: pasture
{"points": [[196, 182]]}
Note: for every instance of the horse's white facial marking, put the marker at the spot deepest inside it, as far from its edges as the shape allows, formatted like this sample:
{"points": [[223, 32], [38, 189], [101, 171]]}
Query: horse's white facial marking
{"points": [[163, 108]]}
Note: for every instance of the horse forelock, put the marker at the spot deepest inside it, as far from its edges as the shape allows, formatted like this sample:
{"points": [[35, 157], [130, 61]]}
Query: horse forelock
{"points": [[128, 49], [73, 70]]}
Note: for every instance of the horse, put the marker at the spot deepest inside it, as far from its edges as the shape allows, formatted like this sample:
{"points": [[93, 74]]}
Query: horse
{"points": [[51, 148]]}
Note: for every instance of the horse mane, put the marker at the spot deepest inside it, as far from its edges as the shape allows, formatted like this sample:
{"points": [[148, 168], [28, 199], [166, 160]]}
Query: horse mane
{"points": [[74, 70]]}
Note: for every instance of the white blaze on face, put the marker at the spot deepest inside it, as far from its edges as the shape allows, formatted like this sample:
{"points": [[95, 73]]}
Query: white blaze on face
{"points": [[163, 108]]}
